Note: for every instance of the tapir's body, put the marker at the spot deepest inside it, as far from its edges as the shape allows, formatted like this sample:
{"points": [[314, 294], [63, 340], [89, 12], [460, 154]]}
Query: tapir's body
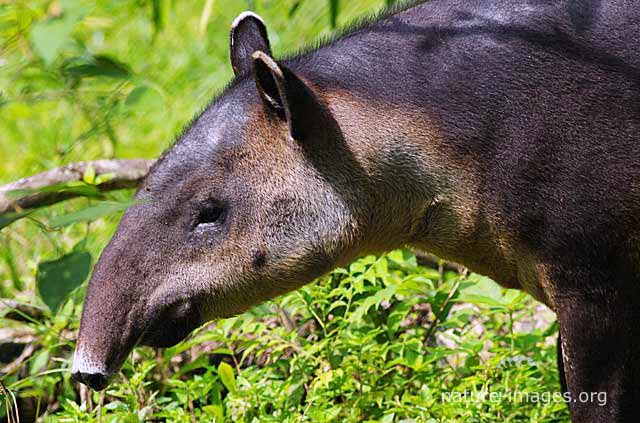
{"points": [[504, 135], [532, 111]]}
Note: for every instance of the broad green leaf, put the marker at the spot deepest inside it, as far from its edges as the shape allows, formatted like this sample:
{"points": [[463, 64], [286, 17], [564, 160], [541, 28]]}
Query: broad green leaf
{"points": [[403, 259], [483, 291], [56, 279], [49, 36], [416, 284], [388, 418], [482, 300], [227, 377], [514, 298], [88, 214], [81, 67], [39, 361], [214, 410], [135, 95]]}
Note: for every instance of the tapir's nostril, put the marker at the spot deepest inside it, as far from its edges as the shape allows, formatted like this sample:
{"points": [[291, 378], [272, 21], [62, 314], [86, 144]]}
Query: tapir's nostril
{"points": [[95, 381]]}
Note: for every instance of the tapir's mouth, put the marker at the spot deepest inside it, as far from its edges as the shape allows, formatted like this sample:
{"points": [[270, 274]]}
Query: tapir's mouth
{"points": [[167, 336], [96, 381], [99, 356], [171, 327]]}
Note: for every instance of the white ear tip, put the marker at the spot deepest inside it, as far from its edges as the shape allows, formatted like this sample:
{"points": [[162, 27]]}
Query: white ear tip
{"points": [[268, 60], [243, 16]]}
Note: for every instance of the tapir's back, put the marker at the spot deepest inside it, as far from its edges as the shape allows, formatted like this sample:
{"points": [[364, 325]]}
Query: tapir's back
{"points": [[546, 97], [543, 96], [607, 23], [606, 27]]}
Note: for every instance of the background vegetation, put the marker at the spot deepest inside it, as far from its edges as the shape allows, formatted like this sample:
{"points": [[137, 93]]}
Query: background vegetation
{"points": [[381, 340]]}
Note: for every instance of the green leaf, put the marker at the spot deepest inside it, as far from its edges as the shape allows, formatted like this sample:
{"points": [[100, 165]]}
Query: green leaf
{"points": [[105, 177], [216, 408], [88, 214], [397, 315], [9, 258], [56, 279], [372, 301], [8, 218], [75, 188], [81, 67], [39, 361], [157, 14], [484, 292], [89, 175], [388, 418], [294, 8], [135, 95], [49, 36], [227, 377], [334, 6]]}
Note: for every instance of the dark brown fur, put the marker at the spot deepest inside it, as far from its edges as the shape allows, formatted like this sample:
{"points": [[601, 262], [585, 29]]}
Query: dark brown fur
{"points": [[502, 134]]}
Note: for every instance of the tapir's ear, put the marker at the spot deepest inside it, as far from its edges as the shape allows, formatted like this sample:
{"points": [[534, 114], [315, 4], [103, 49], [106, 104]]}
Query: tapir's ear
{"points": [[286, 94], [248, 34]]}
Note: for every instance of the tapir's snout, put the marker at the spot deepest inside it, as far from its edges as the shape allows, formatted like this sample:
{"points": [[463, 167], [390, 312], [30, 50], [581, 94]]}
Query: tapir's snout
{"points": [[95, 369], [89, 371], [95, 381], [99, 356], [116, 318]]}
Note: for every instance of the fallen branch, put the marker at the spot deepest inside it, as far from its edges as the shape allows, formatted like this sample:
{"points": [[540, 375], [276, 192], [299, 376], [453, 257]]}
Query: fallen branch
{"points": [[429, 260], [21, 312], [123, 174]]}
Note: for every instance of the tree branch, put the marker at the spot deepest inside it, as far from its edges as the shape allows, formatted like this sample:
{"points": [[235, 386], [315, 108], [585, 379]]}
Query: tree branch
{"points": [[429, 260], [14, 310], [125, 174]]}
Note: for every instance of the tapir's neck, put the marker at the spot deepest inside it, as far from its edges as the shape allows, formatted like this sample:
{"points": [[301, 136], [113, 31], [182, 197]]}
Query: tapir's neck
{"points": [[431, 193], [434, 196], [424, 118]]}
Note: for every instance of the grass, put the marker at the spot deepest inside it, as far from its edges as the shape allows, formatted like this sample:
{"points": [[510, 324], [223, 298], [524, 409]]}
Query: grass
{"points": [[385, 339]]}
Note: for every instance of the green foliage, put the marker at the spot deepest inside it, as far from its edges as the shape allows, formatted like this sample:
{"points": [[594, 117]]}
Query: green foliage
{"points": [[385, 339], [88, 214], [50, 35], [334, 10], [56, 279], [382, 340]]}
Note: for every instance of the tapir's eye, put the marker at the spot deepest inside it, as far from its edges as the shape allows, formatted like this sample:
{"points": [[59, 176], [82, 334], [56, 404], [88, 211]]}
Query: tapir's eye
{"points": [[210, 214]]}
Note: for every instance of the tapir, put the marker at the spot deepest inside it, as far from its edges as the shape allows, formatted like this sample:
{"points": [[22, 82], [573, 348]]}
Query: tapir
{"points": [[500, 134]]}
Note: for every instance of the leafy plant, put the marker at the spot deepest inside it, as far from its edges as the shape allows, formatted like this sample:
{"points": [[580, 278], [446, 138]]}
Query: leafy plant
{"points": [[56, 279]]}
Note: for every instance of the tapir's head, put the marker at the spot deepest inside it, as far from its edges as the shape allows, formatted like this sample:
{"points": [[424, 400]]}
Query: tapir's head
{"points": [[255, 199]]}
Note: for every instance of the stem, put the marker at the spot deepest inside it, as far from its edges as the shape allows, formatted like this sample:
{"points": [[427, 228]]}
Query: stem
{"points": [[433, 324]]}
